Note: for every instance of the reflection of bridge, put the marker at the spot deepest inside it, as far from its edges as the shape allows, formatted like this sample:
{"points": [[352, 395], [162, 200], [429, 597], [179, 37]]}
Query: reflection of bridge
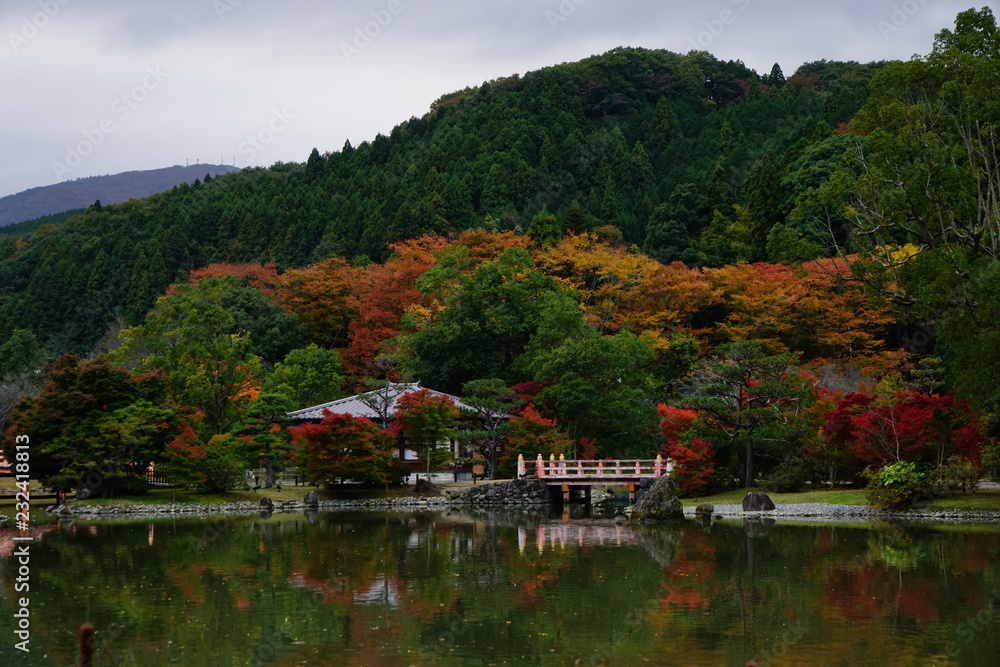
{"points": [[577, 533], [566, 474]]}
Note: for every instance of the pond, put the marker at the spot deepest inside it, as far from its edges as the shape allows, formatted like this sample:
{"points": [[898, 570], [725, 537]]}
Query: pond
{"points": [[454, 588]]}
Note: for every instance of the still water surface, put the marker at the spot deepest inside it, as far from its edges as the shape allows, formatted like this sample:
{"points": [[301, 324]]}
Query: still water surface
{"points": [[509, 589]]}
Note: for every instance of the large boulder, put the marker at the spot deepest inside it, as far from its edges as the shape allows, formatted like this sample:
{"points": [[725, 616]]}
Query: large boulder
{"points": [[311, 500], [659, 504], [757, 501]]}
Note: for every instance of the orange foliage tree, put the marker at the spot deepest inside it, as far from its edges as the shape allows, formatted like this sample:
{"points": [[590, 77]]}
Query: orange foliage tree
{"points": [[260, 277], [324, 298], [817, 310]]}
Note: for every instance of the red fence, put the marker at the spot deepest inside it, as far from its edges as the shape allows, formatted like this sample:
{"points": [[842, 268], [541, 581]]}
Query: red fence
{"points": [[595, 472]]}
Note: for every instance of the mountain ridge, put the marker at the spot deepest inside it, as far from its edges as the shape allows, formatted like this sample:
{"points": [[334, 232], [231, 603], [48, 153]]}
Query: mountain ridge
{"points": [[79, 193]]}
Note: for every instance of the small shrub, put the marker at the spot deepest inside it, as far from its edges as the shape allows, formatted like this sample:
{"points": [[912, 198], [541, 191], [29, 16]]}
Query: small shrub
{"points": [[958, 475], [786, 478], [894, 486], [991, 461], [222, 467]]}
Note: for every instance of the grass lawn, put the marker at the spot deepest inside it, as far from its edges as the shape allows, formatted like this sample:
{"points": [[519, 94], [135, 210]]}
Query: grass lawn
{"points": [[165, 496], [820, 495], [978, 501], [988, 501]]}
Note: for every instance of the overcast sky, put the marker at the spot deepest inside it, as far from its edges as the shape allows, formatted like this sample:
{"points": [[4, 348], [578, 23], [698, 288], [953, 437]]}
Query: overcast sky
{"points": [[90, 87]]}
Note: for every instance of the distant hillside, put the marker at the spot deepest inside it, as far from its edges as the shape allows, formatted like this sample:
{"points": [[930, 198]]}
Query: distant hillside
{"points": [[113, 189], [669, 151]]}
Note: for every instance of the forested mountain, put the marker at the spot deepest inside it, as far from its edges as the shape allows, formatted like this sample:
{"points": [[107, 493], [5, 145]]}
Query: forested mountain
{"points": [[109, 189], [649, 142]]}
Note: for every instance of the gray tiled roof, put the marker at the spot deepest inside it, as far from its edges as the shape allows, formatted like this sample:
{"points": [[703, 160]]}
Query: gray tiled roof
{"points": [[356, 406]]}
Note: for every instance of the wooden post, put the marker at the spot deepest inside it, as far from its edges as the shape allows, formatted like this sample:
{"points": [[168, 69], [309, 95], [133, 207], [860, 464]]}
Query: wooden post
{"points": [[565, 490], [562, 464], [659, 465], [631, 493], [540, 467], [520, 466]]}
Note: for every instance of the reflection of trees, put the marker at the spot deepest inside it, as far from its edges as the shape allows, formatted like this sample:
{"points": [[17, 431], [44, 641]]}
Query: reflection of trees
{"points": [[374, 586]]}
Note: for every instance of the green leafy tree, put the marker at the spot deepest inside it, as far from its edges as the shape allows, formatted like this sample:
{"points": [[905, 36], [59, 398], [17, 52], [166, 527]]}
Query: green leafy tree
{"points": [[928, 170], [223, 466], [545, 229], [484, 326], [22, 363], [491, 403], [763, 209], [92, 425], [308, 376], [751, 399], [264, 436], [207, 356], [601, 388], [427, 421]]}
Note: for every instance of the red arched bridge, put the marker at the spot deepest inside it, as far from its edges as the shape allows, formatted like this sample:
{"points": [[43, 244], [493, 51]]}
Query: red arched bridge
{"points": [[568, 474]]}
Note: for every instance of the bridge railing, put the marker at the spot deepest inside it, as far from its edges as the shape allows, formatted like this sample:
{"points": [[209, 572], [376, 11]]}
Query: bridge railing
{"points": [[593, 471]]}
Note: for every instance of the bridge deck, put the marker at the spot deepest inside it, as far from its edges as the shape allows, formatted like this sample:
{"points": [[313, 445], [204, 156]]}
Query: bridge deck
{"points": [[622, 472]]}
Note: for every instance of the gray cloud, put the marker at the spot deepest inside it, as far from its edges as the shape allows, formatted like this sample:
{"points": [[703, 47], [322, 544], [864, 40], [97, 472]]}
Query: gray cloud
{"points": [[350, 70]]}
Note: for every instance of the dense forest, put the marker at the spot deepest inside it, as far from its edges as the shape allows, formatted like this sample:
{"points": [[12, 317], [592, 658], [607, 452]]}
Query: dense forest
{"points": [[766, 278]]}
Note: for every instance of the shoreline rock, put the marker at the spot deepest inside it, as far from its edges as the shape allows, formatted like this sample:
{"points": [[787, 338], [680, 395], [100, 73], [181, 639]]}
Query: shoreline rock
{"points": [[659, 504]]}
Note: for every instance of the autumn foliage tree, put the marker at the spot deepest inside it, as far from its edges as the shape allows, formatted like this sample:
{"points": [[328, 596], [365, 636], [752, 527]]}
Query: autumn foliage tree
{"points": [[343, 448], [692, 456], [529, 435], [906, 427], [324, 298]]}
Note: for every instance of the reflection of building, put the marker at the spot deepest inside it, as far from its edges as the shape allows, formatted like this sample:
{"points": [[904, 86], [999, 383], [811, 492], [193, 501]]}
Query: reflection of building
{"points": [[379, 405]]}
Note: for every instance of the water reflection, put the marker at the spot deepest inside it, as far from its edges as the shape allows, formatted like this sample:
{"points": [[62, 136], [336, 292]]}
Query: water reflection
{"points": [[509, 587]]}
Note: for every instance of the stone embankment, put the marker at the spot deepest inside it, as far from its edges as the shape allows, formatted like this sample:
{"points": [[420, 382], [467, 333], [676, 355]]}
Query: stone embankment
{"points": [[526, 493]]}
